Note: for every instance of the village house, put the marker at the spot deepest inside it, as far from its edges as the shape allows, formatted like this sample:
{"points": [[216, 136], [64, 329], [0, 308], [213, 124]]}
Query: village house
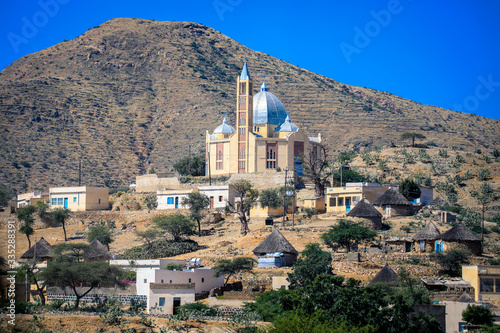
{"points": [[342, 199], [220, 195], [485, 279], [275, 251], [172, 199], [98, 252], [164, 298], [425, 239], [393, 203], [386, 275], [79, 198], [459, 237], [365, 210], [41, 250], [32, 198]]}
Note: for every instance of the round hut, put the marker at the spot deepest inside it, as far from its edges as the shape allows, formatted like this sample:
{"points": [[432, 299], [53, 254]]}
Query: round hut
{"points": [[275, 251], [365, 210], [386, 275], [40, 251], [97, 252], [461, 237], [393, 203], [424, 240]]}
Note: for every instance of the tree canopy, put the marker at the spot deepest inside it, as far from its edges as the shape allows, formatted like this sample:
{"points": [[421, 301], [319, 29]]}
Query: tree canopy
{"points": [[59, 215], [25, 215], [191, 166], [177, 225], [478, 315], [196, 203], [452, 260], [312, 262], [230, 267], [102, 233], [412, 136], [346, 232], [410, 189], [5, 195], [248, 197], [151, 201]]}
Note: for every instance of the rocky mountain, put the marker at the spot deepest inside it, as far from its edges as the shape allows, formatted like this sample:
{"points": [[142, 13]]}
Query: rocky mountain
{"points": [[132, 94]]}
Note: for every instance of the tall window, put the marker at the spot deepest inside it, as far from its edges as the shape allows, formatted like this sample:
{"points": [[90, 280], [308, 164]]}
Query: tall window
{"points": [[241, 166], [243, 103], [271, 156], [219, 156], [243, 88]]}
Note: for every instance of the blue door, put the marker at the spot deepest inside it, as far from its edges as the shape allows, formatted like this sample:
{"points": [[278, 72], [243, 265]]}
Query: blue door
{"points": [[438, 247], [176, 202], [65, 202], [348, 204]]}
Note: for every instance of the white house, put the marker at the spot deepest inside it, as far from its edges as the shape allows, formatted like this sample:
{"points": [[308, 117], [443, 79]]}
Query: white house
{"points": [[171, 199], [163, 298], [203, 278], [32, 198], [145, 269], [219, 195]]}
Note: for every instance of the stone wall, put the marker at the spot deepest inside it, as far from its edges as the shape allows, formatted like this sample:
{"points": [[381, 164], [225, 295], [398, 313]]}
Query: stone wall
{"points": [[261, 180], [153, 183]]}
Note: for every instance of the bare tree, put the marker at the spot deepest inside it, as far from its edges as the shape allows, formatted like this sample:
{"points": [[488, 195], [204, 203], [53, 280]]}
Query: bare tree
{"points": [[248, 197], [317, 169]]}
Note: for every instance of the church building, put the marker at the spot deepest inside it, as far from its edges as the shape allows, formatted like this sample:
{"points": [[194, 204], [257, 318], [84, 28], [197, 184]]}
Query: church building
{"points": [[264, 138]]}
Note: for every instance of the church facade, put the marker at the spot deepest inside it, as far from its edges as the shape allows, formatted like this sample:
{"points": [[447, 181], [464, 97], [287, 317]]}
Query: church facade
{"points": [[264, 138]]}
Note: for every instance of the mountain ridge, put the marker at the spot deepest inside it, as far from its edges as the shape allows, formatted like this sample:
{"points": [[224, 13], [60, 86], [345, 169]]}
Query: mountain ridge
{"points": [[132, 94]]}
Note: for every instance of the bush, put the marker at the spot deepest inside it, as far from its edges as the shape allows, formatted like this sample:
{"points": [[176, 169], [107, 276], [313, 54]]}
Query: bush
{"points": [[460, 159], [451, 261], [160, 249], [483, 174], [309, 211]]}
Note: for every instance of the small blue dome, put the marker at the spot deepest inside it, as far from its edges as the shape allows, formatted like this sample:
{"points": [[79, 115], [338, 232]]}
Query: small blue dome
{"points": [[224, 128], [287, 126], [267, 108]]}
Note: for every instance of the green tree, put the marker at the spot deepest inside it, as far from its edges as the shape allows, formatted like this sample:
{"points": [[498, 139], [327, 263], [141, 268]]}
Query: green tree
{"points": [[59, 215], [25, 215], [149, 236], [71, 252], [102, 233], [247, 198], [5, 195], [191, 166], [42, 212], [412, 136], [273, 198], [232, 267], [484, 196], [151, 202], [410, 189], [75, 274], [478, 315], [177, 225], [196, 203], [452, 260], [346, 232], [312, 262]]}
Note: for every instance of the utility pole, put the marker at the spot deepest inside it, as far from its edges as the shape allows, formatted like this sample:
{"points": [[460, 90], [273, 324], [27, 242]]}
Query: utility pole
{"points": [[189, 160], [284, 196], [209, 171], [80, 174]]}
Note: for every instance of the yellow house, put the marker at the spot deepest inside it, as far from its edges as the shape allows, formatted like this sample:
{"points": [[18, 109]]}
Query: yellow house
{"points": [[79, 198], [485, 279], [343, 199], [264, 137]]}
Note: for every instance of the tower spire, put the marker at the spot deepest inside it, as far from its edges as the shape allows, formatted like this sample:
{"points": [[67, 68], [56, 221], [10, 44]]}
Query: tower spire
{"points": [[263, 87], [244, 73]]}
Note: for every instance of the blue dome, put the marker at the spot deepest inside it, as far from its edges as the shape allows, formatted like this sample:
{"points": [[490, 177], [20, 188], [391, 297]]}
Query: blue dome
{"points": [[287, 126], [267, 108], [224, 128]]}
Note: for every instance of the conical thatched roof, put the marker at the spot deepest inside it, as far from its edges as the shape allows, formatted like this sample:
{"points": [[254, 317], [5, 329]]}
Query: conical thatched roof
{"points": [[275, 242], [429, 233], [364, 209], [466, 298], [43, 250], [392, 197], [386, 275], [98, 251], [437, 202], [459, 233]]}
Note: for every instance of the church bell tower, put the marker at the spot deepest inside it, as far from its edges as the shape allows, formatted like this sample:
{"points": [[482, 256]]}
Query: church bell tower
{"points": [[244, 119]]}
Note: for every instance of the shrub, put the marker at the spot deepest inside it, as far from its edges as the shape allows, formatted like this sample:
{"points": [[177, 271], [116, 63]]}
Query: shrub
{"points": [[443, 153], [160, 249], [460, 159], [483, 174], [309, 211]]}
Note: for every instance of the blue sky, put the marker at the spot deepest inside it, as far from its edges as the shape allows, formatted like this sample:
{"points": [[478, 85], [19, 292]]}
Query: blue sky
{"points": [[443, 53]]}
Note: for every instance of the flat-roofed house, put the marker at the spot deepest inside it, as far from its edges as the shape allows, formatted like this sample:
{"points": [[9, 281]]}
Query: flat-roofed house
{"points": [[79, 198], [172, 199], [164, 298], [32, 198], [344, 198], [220, 195]]}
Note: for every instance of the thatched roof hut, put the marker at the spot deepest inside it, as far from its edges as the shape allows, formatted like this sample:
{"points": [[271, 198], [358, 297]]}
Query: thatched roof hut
{"points": [[425, 238], [466, 298], [365, 210], [43, 251], [386, 275], [276, 243], [460, 236], [393, 203], [97, 251], [437, 202]]}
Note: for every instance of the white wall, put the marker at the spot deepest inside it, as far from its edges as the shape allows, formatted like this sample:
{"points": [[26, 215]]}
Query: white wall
{"points": [[224, 191], [153, 300], [163, 200], [202, 277]]}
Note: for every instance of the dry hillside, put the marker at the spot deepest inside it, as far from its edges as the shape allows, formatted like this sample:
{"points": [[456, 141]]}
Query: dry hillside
{"points": [[132, 93]]}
